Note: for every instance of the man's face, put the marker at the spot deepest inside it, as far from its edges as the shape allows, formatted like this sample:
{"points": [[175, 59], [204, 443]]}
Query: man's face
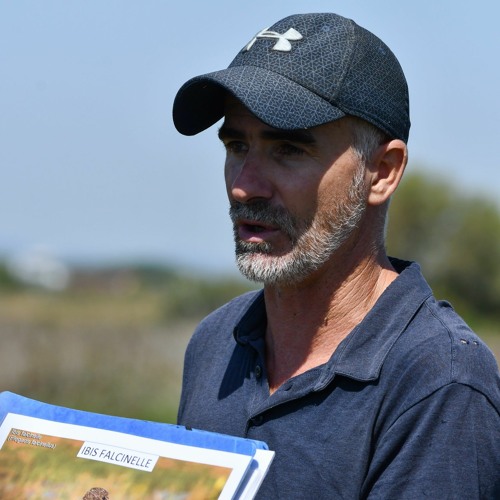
{"points": [[295, 196]]}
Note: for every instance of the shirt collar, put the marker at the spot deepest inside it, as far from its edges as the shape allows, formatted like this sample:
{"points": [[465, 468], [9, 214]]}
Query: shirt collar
{"points": [[252, 323], [361, 354]]}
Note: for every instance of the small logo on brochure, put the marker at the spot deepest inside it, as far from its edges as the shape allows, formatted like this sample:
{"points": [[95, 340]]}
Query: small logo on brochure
{"points": [[118, 456], [283, 40]]}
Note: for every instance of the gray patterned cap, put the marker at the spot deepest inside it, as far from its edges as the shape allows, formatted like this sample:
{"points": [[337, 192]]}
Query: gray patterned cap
{"points": [[305, 70]]}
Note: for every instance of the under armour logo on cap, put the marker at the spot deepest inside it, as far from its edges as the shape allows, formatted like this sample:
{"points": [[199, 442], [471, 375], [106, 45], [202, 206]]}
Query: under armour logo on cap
{"points": [[283, 44]]}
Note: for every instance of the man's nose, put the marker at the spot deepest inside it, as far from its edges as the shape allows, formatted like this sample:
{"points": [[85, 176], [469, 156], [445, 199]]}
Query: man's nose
{"points": [[248, 180]]}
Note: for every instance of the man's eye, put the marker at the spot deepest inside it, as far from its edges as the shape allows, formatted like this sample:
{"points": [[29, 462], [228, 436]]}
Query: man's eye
{"points": [[287, 149], [235, 147]]}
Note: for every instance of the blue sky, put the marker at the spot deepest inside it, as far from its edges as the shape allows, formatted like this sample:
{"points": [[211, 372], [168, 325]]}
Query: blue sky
{"points": [[92, 167]]}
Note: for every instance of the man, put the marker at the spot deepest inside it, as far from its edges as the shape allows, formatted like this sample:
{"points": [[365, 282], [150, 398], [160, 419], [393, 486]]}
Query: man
{"points": [[345, 364]]}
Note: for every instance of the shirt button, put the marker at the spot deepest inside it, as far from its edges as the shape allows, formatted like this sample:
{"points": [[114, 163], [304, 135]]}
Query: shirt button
{"points": [[258, 371]]}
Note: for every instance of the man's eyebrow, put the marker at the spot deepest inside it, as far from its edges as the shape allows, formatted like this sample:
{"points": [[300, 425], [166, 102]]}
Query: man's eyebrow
{"points": [[301, 136], [225, 132]]}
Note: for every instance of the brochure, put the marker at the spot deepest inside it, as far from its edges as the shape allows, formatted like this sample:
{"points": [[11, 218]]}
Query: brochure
{"points": [[49, 451]]}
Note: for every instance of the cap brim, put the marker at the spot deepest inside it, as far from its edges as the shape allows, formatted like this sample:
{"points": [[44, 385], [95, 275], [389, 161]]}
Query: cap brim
{"points": [[274, 99]]}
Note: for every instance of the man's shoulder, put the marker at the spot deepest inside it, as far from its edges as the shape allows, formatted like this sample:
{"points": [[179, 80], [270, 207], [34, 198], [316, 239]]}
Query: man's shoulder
{"points": [[471, 360], [452, 339], [437, 349]]}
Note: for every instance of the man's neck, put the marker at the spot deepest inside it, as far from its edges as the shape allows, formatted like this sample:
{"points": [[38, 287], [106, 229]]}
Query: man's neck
{"points": [[307, 322]]}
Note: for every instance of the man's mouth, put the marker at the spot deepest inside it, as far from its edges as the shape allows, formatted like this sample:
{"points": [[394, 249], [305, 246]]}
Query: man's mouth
{"points": [[255, 231], [254, 228]]}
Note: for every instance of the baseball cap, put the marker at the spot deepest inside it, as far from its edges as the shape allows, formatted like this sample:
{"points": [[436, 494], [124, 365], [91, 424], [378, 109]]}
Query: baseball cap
{"points": [[305, 70]]}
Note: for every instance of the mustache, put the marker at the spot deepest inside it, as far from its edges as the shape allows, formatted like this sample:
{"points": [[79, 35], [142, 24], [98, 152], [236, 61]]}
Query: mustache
{"points": [[262, 211]]}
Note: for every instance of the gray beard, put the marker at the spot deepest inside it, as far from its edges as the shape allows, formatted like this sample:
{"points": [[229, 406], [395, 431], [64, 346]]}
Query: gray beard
{"points": [[312, 241]]}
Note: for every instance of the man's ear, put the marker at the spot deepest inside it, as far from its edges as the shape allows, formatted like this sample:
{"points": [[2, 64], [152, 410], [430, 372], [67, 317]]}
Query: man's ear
{"points": [[386, 169]]}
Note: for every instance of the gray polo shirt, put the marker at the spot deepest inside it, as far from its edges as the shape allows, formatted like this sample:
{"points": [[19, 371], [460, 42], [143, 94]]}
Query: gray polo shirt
{"points": [[408, 406]]}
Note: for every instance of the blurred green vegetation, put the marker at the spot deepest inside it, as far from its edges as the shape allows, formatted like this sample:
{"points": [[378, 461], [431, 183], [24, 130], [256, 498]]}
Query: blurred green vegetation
{"points": [[455, 236], [113, 340], [7, 281]]}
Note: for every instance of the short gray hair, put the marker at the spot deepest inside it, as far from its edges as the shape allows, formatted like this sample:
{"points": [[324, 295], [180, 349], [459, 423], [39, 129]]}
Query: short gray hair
{"points": [[366, 138]]}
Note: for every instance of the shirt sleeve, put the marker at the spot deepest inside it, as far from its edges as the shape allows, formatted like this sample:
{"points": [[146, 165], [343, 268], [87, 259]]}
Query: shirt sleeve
{"points": [[445, 446]]}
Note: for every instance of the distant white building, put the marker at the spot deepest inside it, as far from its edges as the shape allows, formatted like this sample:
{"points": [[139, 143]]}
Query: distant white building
{"points": [[39, 267]]}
